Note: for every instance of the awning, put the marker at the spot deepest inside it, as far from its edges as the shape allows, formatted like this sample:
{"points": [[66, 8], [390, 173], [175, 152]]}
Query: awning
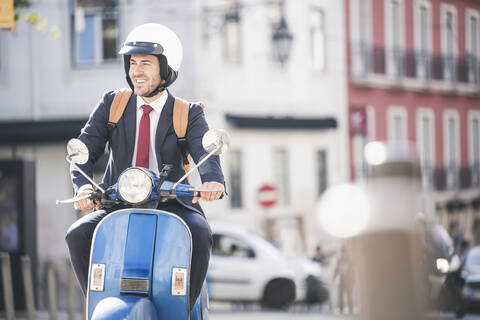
{"points": [[44, 131], [281, 123]]}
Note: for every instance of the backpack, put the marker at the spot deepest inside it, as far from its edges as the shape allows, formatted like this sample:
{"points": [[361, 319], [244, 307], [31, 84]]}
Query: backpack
{"points": [[180, 120]]}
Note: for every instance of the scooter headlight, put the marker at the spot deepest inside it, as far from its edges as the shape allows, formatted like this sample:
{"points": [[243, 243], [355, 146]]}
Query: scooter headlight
{"points": [[135, 185], [443, 265]]}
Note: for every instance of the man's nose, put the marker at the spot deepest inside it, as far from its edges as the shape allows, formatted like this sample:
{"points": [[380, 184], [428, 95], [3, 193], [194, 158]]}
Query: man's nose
{"points": [[136, 70]]}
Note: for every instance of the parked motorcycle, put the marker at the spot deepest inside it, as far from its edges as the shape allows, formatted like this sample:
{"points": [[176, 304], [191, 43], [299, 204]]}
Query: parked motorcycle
{"points": [[140, 256], [444, 267]]}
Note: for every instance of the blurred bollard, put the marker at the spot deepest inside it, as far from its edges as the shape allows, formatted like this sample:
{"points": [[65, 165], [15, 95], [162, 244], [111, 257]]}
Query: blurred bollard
{"points": [[28, 287], [52, 291], [386, 253], [72, 292], [7, 286]]}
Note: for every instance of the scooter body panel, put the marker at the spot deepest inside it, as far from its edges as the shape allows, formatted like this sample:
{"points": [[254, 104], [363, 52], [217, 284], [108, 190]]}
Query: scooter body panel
{"points": [[123, 244]]}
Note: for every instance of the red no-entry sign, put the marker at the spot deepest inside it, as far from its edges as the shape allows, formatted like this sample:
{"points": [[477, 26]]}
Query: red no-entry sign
{"points": [[267, 195]]}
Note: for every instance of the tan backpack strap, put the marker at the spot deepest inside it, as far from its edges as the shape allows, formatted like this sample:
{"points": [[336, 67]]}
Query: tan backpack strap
{"points": [[180, 124], [119, 104], [180, 117]]}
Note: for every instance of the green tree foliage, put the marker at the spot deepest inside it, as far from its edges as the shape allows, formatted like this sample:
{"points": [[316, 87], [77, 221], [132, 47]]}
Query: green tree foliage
{"points": [[35, 19]]}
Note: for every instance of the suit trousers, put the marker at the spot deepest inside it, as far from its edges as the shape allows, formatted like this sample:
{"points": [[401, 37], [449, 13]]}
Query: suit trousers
{"points": [[79, 241]]}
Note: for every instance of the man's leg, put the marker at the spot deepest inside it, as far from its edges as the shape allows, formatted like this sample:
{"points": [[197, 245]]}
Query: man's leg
{"points": [[79, 240], [202, 244], [340, 295]]}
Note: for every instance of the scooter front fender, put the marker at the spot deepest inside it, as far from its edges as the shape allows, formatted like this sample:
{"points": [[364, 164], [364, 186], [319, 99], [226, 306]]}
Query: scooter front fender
{"points": [[125, 307]]}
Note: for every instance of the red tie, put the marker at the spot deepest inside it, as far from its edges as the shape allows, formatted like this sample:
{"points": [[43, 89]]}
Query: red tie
{"points": [[143, 144]]}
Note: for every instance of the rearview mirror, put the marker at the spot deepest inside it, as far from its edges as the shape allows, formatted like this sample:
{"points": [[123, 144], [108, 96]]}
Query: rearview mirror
{"points": [[216, 139], [77, 151]]}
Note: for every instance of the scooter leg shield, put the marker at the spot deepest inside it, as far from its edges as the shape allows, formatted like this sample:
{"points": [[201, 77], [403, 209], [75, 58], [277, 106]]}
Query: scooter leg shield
{"points": [[127, 307]]}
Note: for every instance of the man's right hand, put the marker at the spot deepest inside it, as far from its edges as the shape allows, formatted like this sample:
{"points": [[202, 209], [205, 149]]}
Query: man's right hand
{"points": [[84, 204]]}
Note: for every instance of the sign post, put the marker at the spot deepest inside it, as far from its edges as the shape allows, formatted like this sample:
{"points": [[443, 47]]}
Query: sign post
{"points": [[267, 196]]}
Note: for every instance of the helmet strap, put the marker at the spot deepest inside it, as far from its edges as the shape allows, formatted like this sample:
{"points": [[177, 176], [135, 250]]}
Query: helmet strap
{"points": [[159, 89]]}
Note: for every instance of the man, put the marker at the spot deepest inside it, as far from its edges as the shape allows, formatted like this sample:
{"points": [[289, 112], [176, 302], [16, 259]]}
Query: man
{"points": [[346, 274], [144, 136]]}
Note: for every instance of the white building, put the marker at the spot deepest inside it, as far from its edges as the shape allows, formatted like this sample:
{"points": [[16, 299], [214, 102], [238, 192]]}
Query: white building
{"points": [[287, 122]]}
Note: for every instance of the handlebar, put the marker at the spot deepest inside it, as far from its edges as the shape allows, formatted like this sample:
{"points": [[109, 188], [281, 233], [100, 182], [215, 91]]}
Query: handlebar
{"points": [[74, 199], [196, 192], [167, 191]]}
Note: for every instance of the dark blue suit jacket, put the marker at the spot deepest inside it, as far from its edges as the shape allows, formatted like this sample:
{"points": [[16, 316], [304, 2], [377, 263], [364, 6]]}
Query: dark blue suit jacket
{"points": [[122, 143]]}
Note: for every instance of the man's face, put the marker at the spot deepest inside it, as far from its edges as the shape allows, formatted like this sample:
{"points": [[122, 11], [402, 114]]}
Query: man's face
{"points": [[144, 73]]}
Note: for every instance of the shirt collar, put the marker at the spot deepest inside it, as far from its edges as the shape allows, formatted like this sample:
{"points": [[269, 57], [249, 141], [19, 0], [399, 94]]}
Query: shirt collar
{"points": [[157, 105]]}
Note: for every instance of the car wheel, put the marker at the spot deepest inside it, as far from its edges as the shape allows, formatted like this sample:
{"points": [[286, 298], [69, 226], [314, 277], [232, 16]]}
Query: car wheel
{"points": [[279, 294], [317, 292]]}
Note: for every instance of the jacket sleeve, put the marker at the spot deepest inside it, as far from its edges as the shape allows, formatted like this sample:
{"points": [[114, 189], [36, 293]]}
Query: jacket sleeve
{"points": [[210, 170], [95, 135]]}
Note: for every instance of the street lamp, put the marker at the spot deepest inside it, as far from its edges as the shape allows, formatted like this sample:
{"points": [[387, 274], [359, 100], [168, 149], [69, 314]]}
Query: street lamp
{"points": [[282, 41], [281, 38]]}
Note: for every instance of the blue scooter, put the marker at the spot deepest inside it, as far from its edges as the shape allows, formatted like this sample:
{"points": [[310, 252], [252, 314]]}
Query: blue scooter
{"points": [[133, 274]]}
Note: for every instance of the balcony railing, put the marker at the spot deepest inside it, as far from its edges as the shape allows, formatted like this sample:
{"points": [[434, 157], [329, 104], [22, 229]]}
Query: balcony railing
{"points": [[456, 178], [397, 63]]}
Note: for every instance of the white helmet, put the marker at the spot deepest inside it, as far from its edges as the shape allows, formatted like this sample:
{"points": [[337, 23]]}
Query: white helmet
{"points": [[158, 40]]}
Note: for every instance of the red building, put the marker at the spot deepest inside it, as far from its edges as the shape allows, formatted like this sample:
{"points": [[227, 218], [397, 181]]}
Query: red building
{"points": [[414, 73]]}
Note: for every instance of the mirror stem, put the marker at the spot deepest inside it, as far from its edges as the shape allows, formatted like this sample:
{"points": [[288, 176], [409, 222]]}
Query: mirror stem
{"points": [[84, 174], [195, 167]]}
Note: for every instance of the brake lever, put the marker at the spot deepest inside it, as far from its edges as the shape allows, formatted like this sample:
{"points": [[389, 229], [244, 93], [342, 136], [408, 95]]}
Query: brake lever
{"points": [[196, 191]]}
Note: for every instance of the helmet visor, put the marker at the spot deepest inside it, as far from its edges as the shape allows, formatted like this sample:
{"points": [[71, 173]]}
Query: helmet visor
{"points": [[141, 48]]}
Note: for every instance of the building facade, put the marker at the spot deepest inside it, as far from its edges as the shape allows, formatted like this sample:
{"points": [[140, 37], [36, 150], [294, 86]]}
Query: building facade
{"points": [[414, 74], [287, 119]]}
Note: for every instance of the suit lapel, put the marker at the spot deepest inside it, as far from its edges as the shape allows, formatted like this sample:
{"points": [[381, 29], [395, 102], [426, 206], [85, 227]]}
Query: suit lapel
{"points": [[130, 116], [164, 123]]}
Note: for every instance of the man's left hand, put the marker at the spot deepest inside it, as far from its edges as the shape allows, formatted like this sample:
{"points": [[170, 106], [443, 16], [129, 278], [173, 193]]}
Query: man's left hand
{"points": [[210, 196]]}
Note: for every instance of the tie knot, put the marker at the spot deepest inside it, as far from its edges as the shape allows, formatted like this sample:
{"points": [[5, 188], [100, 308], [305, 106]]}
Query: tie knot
{"points": [[146, 109]]}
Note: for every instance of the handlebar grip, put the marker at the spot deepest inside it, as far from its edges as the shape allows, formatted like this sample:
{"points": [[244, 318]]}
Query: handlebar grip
{"points": [[96, 197]]}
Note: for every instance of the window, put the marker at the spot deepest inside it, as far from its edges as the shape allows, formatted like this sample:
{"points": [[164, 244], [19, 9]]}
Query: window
{"points": [[474, 146], [232, 36], [359, 143], [426, 144], [423, 38], [95, 32], [281, 170], [235, 178], [360, 32], [397, 123], [394, 37], [473, 45], [317, 39], [227, 246], [449, 41], [322, 171], [451, 142]]}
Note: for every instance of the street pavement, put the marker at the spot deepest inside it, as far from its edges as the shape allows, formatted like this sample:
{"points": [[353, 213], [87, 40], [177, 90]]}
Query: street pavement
{"points": [[227, 311], [263, 315]]}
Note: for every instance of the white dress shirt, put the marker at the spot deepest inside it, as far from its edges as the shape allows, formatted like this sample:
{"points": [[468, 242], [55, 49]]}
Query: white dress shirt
{"points": [[157, 106]]}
